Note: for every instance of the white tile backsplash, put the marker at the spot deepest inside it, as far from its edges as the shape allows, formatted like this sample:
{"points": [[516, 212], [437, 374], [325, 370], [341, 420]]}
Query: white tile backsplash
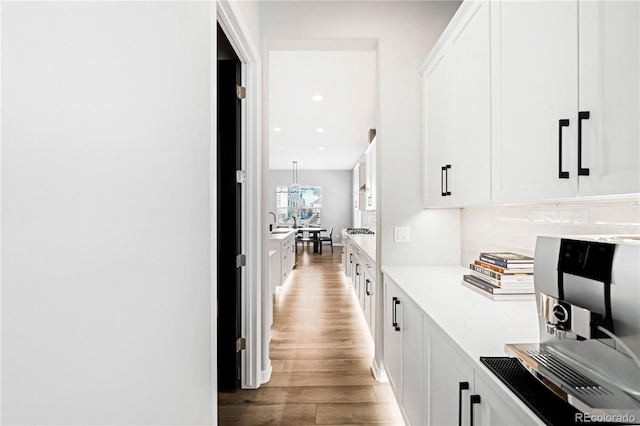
{"points": [[368, 219], [515, 228]]}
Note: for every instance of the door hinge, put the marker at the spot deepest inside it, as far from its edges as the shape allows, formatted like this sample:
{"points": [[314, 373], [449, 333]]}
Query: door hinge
{"points": [[241, 344], [241, 176], [241, 260], [241, 92]]}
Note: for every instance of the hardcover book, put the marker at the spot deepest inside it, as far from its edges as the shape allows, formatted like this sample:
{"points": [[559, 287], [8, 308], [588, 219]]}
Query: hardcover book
{"points": [[525, 269], [506, 285], [493, 289], [507, 259], [499, 297], [518, 277]]}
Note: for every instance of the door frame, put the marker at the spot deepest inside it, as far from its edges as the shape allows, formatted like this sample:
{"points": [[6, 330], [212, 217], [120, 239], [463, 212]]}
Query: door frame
{"points": [[228, 15]]}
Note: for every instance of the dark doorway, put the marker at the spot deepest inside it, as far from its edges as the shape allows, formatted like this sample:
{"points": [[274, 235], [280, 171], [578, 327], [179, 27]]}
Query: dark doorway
{"points": [[229, 209]]}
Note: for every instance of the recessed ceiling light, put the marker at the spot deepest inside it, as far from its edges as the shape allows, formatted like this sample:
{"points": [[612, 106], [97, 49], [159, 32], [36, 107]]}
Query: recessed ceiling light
{"points": [[277, 129], [321, 148], [320, 130], [317, 98]]}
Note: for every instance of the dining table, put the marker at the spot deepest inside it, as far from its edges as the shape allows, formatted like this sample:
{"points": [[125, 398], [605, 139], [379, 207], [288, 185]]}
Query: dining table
{"points": [[314, 234]]}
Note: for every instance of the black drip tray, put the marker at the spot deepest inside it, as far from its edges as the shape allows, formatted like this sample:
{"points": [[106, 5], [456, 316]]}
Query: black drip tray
{"points": [[551, 409]]}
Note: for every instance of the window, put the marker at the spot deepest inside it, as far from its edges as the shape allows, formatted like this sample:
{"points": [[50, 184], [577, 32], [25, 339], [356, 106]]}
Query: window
{"points": [[300, 204]]}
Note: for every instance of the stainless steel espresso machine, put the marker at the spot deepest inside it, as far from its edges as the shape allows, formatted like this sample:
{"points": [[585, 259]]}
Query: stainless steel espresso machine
{"points": [[588, 299]]}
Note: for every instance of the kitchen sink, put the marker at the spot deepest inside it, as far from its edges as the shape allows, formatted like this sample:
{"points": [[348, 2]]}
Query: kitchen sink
{"points": [[281, 231]]}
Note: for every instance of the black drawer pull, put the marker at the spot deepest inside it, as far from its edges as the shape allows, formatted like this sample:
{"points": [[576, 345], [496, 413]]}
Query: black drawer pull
{"points": [[561, 124], [582, 115], [473, 399], [393, 312], [446, 181], [463, 386], [395, 306], [366, 286], [443, 172]]}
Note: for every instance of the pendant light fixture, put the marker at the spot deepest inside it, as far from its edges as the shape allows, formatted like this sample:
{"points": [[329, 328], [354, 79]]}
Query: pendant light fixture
{"points": [[295, 183]]}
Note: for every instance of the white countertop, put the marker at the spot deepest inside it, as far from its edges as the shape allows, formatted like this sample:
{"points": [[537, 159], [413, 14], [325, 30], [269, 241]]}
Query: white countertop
{"points": [[282, 235], [481, 327], [367, 243], [477, 325]]}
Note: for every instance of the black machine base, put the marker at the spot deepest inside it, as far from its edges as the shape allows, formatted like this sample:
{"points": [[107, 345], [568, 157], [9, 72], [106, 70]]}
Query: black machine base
{"points": [[551, 409]]}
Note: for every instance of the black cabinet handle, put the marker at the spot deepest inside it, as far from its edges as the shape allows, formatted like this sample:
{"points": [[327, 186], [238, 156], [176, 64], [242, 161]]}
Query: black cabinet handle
{"points": [[443, 170], [350, 257], [561, 124], [366, 286], [446, 181], [463, 386], [473, 399], [395, 306], [582, 115], [369, 200], [393, 312], [357, 269]]}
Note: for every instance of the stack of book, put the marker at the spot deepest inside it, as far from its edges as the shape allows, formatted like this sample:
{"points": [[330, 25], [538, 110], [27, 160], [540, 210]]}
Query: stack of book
{"points": [[501, 276]]}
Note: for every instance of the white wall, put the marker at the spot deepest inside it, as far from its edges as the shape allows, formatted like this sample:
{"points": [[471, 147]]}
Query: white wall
{"points": [[105, 213], [405, 31], [515, 228], [336, 194]]}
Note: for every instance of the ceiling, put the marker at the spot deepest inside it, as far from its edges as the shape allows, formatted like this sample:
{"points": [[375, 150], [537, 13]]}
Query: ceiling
{"points": [[347, 81]]}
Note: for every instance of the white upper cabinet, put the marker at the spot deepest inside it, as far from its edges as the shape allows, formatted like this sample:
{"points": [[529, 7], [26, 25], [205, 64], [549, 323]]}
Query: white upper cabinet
{"points": [[370, 194], [609, 93], [438, 150], [457, 114], [469, 175], [534, 100]]}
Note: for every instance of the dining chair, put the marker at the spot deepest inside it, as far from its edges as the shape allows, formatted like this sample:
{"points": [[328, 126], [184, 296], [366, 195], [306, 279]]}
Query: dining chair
{"points": [[302, 239], [326, 240]]}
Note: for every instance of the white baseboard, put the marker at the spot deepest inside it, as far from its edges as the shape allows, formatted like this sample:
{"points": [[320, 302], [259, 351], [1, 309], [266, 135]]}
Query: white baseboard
{"points": [[266, 374], [379, 374]]}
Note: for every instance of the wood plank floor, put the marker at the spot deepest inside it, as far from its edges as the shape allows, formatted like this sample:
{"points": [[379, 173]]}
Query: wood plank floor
{"points": [[321, 351]]}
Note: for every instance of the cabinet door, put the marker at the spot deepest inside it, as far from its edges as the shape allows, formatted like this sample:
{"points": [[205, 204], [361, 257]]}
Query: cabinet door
{"points": [[356, 196], [369, 299], [610, 92], [447, 396], [392, 346], [493, 411], [412, 360], [438, 150], [371, 176], [534, 86], [354, 260], [360, 282], [470, 84]]}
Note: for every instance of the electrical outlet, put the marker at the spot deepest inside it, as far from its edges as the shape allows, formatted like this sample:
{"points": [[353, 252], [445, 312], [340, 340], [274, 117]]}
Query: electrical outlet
{"points": [[402, 234]]}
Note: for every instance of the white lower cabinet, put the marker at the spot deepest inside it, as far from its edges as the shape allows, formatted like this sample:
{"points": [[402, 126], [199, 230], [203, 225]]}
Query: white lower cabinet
{"points": [[433, 382], [285, 259], [369, 287], [412, 360], [449, 382], [491, 410], [392, 339], [362, 272], [403, 352]]}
